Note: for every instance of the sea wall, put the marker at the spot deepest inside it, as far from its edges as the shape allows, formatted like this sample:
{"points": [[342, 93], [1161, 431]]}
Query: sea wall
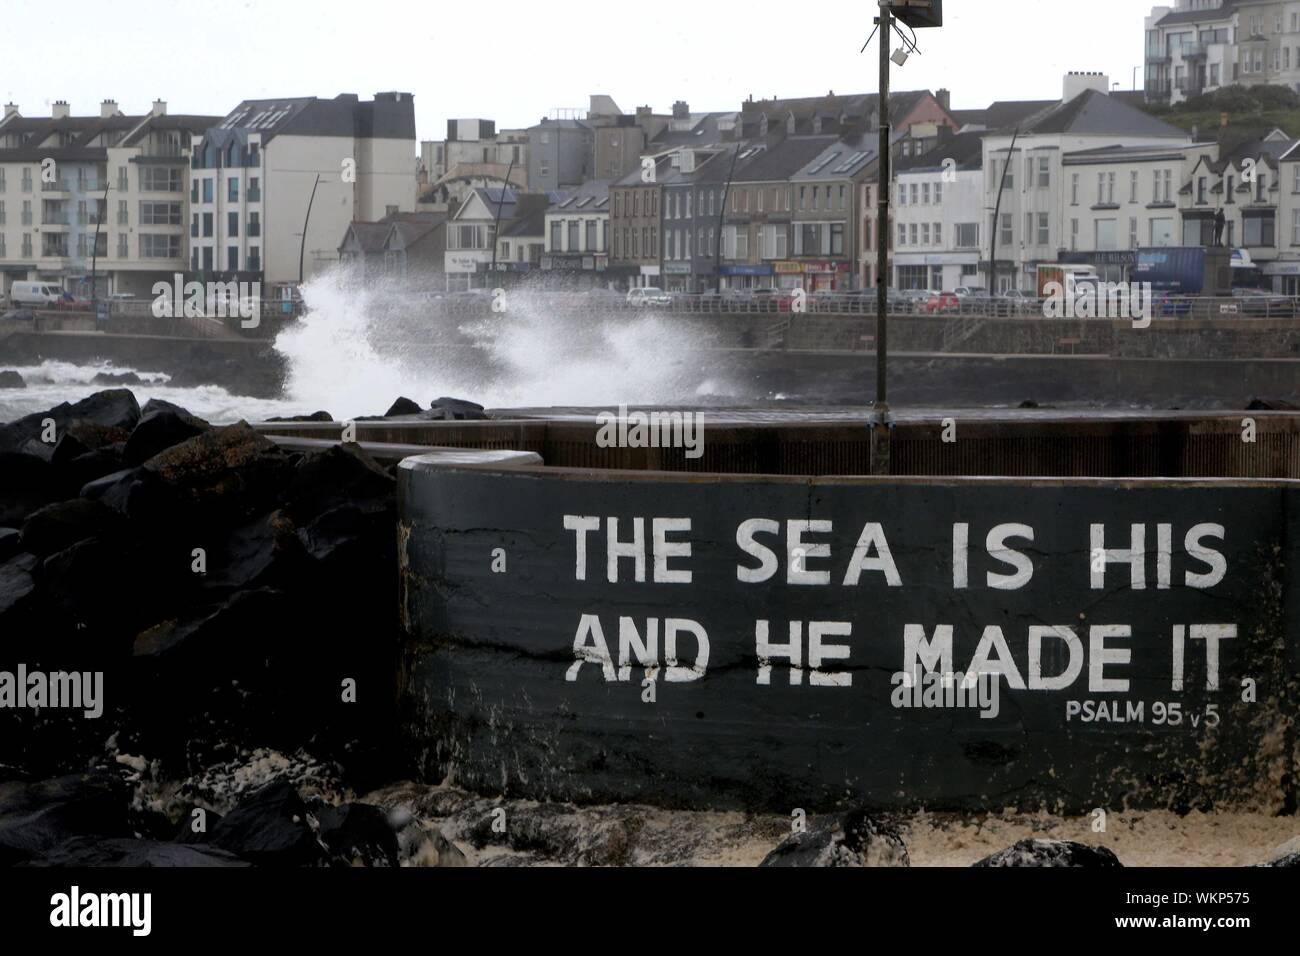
{"points": [[742, 641]]}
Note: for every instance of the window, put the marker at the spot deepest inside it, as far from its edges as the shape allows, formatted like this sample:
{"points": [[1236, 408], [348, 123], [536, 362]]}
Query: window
{"points": [[937, 188], [1229, 193], [1162, 232], [1133, 232], [1043, 229], [591, 236], [557, 233], [1202, 184], [207, 258], [1029, 227], [254, 189], [925, 193], [968, 235], [1258, 231], [1006, 229], [938, 234], [156, 213], [254, 224], [902, 195], [232, 258], [573, 239], [232, 190], [160, 179], [207, 190], [1044, 172], [925, 233], [1105, 234], [902, 234], [123, 245], [194, 226], [915, 192], [1074, 235], [912, 236], [1133, 186], [207, 225], [1295, 227], [1074, 189], [232, 224], [159, 247], [938, 195]]}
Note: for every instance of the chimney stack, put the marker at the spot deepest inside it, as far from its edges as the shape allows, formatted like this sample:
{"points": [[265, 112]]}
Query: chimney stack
{"points": [[61, 109], [681, 110], [945, 99], [11, 109], [1077, 83], [159, 107], [108, 108]]}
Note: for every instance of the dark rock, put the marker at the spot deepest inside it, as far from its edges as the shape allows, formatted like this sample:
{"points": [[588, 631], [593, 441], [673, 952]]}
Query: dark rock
{"points": [[1271, 405], [61, 525], [17, 583], [341, 475], [269, 827], [11, 379], [1285, 861], [358, 835], [8, 543], [68, 448], [454, 409], [137, 493], [94, 465], [115, 408], [313, 417], [1028, 403], [845, 839], [347, 530], [264, 552], [403, 406], [1051, 853], [36, 818], [159, 405], [91, 583], [97, 851], [224, 630], [21, 471], [224, 471], [160, 430], [117, 378]]}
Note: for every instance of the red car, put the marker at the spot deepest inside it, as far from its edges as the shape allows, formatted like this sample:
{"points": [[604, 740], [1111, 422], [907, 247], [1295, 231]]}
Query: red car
{"points": [[940, 302]]}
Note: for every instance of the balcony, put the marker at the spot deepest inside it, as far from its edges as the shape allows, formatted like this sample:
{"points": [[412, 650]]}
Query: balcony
{"points": [[1195, 51]]}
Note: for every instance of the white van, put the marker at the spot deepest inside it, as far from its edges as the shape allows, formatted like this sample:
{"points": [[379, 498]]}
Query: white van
{"points": [[35, 293]]}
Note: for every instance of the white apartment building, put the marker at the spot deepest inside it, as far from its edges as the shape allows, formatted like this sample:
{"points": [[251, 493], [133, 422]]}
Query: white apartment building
{"points": [[939, 218], [1197, 46], [276, 182], [1048, 209], [101, 196]]}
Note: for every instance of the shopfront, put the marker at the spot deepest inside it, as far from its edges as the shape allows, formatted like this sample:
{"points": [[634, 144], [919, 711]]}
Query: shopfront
{"points": [[747, 276]]}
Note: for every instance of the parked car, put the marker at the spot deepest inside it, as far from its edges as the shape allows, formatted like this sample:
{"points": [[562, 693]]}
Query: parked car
{"points": [[970, 292], [1259, 302], [773, 300], [941, 302], [18, 315], [605, 298], [649, 296], [1019, 302]]}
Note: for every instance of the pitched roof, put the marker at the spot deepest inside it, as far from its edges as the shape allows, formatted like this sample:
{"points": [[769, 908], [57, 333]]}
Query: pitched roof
{"points": [[780, 161], [843, 158], [387, 116], [1002, 113], [965, 149], [370, 236], [1198, 16], [1094, 113]]}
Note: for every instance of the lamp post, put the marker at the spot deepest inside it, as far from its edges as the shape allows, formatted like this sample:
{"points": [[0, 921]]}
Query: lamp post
{"points": [[880, 424]]}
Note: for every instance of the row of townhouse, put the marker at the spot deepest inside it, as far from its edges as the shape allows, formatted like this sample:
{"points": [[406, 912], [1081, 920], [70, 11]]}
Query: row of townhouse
{"points": [[1197, 46], [1091, 180], [261, 194]]}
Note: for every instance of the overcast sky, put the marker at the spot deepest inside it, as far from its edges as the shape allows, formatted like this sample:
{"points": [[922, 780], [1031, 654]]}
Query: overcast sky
{"points": [[515, 61]]}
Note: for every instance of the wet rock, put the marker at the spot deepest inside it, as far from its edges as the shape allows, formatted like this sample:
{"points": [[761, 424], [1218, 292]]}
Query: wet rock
{"points": [[58, 526], [117, 378], [218, 637], [8, 543], [38, 817], [11, 379], [403, 406], [92, 466], [269, 827], [160, 430], [262, 553], [1028, 403], [454, 409], [418, 845], [67, 449], [90, 581], [845, 839], [357, 835], [27, 482], [560, 833], [313, 417], [349, 532], [17, 583], [1051, 853], [193, 817], [116, 852], [115, 408], [339, 476], [223, 472]]}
